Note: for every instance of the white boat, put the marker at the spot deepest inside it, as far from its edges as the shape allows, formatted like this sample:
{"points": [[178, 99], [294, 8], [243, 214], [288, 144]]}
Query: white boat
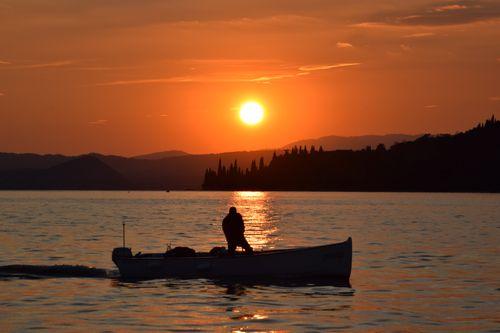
{"points": [[332, 261]]}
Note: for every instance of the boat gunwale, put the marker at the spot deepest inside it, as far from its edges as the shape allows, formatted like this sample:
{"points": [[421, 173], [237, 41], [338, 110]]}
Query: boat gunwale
{"points": [[161, 256]]}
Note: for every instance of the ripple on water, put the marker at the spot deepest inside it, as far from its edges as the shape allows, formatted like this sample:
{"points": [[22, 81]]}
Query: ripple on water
{"points": [[422, 262]]}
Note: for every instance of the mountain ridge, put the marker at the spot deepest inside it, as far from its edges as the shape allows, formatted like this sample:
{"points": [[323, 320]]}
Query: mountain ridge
{"points": [[173, 172], [338, 142]]}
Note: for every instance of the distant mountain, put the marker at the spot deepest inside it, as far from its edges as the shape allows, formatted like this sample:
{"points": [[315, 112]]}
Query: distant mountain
{"points": [[11, 161], [161, 154], [334, 142], [96, 171], [178, 172], [81, 173]]}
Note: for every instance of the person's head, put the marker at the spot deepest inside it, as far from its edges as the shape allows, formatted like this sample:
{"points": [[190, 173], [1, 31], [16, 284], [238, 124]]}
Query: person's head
{"points": [[232, 210]]}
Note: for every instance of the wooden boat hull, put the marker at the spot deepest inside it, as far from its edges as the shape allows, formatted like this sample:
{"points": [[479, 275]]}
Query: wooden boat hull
{"points": [[334, 260]]}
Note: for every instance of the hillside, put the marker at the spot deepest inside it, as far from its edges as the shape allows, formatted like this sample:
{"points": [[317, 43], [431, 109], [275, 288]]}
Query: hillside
{"points": [[335, 142], [464, 162], [82, 173], [145, 172], [162, 154], [31, 171]]}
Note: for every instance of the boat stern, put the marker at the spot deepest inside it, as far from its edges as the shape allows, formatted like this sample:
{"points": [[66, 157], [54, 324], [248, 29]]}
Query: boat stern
{"points": [[120, 253]]}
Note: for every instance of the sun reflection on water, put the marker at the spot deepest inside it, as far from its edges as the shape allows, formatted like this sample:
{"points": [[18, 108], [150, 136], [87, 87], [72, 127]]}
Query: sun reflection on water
{"points": [[261, 222]]}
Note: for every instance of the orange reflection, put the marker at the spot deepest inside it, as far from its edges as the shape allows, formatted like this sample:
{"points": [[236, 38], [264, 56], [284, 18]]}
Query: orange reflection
{"points": [[260, 221]]}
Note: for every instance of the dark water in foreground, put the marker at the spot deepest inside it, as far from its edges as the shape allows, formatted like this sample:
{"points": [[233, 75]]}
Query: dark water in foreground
{"points": [[422, 262]]}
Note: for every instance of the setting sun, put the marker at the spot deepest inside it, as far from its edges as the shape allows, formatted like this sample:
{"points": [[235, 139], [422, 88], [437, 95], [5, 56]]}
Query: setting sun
{"points": [[251, 113]]}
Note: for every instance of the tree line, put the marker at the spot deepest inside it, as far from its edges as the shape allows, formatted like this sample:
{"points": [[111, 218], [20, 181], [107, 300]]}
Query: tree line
{"points": [[463, 162]]}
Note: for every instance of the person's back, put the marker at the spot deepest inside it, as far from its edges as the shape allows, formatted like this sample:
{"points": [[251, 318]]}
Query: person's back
{"points": [[233, 226], [234, 229]]}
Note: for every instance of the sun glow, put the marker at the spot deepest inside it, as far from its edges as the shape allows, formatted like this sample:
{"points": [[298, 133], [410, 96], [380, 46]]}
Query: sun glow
{"points": [[251, 113]]}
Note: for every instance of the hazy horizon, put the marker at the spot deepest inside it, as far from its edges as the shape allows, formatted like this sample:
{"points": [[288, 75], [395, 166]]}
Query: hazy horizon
{"points": [[180, 151]]}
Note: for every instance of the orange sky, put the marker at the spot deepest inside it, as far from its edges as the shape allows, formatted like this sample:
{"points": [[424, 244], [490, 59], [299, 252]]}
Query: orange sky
{"points": [[130, 77]]}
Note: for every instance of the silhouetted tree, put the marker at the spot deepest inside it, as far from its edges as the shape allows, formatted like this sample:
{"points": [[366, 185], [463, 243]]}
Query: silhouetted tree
{"points": [[381, 148], [219, 168], [467, 161]]}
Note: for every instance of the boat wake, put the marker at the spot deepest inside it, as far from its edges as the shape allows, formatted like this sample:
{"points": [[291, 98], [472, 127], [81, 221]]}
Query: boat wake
{"points": [[44, 271], [36, 272]]}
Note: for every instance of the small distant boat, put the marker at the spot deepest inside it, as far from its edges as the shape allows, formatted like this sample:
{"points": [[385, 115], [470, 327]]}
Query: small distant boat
{"points": [[326, 261]]}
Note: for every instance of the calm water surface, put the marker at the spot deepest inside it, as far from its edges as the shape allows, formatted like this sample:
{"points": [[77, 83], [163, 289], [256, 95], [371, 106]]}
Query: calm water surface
{"points": [[422, 262]]}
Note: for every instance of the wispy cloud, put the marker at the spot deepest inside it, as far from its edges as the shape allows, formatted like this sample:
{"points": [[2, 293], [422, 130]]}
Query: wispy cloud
{"points": [[2, 94], [420, 35], [344, 45], [175, 79], [431, 106], [60, 63], [230, 61], [370, 24], [405, 47], [52, 64], [98, 122], [198, 79], [494, 98], [268, 78], [442, 13], [449, 7], [310, 68], [283, 73], [98, 68]]}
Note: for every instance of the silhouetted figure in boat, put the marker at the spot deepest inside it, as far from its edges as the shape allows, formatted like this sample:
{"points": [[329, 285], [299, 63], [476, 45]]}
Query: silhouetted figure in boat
{"points": [[234, 229]]}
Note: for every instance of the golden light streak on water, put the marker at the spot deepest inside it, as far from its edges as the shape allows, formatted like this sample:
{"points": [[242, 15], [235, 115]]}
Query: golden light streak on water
{"points": [[261, 223]]}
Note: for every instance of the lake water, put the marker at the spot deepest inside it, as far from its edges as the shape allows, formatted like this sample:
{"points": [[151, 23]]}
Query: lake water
{"points": [[422, 262]]}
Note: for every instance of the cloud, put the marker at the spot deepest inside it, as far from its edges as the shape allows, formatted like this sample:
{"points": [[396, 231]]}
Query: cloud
{"points": [[163, 115], [2, 94], [278, 77], [494, 98], [95, 14], [59, 63], [449, 7], [420, 35], [99, 68], [199, 79], [3, 62], [310, 68], [175, 79], [370, 24], [431, 106], [98, 122], [286, 72], [406, 48], [344, 45], [438, 14], [49, 64]]}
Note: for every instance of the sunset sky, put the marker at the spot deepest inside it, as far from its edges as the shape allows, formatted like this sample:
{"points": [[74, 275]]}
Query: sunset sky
{"points": [[130, 77]]}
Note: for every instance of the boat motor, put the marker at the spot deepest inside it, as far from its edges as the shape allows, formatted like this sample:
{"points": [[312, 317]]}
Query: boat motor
{"points": [[121, 253]]}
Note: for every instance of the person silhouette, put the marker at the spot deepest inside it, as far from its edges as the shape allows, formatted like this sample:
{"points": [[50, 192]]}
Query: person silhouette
{"points": [[234, 229]]}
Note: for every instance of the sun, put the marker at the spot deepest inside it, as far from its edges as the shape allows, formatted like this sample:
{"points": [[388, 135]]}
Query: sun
{"points": [[251, 113]]}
